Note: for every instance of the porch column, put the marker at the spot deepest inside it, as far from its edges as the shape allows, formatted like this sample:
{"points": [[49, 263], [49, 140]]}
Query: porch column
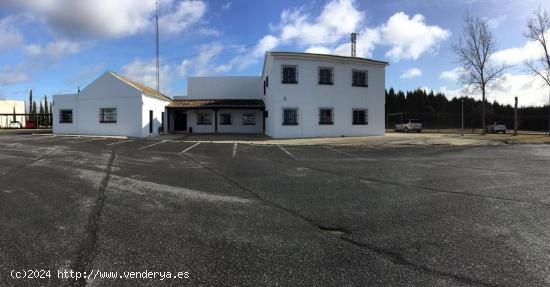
{"points": [[216, 120]]}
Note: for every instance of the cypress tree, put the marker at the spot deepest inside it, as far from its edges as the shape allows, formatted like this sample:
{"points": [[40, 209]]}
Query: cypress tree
{"points": [[14, 114], [46, 111], [33, 112], [41, 116], [30, 105]]}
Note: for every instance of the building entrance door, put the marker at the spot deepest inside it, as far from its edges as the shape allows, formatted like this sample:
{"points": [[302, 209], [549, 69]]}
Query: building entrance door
{"points": [[180, 121]]}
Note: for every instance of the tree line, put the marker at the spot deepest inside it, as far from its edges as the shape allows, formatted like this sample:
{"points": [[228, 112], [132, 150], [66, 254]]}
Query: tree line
{"points": [[43, 115], [435, 110]]}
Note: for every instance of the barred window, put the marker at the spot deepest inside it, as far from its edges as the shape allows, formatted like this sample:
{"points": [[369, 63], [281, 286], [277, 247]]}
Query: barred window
{"points": [[107, 115], [360, 78], [290, 116], [326, 116], [249, 119], [204, 118], [326, 76], [289, 74], [360, 117], [225, 119], [65, 116]]}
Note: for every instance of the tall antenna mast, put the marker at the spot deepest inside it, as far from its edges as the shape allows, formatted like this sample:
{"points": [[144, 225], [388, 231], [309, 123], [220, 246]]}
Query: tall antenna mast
{"points": [[353, 44], [157, 41]]}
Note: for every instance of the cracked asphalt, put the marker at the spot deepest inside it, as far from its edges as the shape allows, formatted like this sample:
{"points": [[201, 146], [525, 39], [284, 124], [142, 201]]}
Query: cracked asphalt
{"points": [[270, 215]]}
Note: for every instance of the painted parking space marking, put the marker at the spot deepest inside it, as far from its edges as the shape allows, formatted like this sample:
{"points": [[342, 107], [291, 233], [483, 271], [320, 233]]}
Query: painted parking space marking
{"points": [[234, 150], [120, 142], [189, 148], [287, 152], [89, 140], [340, 152], [151, 145]]}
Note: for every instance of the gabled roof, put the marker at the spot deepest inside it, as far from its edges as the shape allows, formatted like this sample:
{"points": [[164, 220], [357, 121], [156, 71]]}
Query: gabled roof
{"points": [[217, 103], [141, 87]]}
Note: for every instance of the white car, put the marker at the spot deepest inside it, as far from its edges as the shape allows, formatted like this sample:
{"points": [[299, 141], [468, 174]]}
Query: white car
{"points": [[496, 127], [15, 125], [409, 125]]}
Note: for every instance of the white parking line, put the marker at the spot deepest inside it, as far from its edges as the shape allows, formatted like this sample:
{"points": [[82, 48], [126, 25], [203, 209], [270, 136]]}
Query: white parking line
{"points": [[287, 152], [89, 140], [115, 143], [234, 150], [157, 143], [340, 152], [189, 148]]}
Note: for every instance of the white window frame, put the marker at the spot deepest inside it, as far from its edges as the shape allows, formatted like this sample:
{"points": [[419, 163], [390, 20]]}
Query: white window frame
{"points": [[61, 116], [326, 123], [206, 121], [249, 122]]}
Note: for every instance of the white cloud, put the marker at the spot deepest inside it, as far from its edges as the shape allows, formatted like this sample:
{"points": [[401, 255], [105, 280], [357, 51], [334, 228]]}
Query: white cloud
{"points": [[109, 18], [186, 13], [495, 22], [452, 75], [410, 37], [54, 50], [13, 75], [9, 36], [145, 72], [226, 6], [411, 73], [531, 50], [530, 90]]}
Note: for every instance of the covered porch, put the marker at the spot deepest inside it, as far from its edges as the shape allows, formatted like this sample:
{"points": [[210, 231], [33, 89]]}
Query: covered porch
{"points": [[216, 116]]}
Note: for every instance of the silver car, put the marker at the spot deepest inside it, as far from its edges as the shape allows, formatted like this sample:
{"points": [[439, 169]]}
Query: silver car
{"points": [[496, 127], [409, 126]]}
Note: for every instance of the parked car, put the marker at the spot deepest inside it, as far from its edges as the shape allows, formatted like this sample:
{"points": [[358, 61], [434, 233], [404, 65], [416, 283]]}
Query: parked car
{"points": [[15, 125], [496, 127], [409, 125]]}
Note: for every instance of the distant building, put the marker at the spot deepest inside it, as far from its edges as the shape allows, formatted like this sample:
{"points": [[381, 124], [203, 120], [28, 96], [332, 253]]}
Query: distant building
{"points": [[297, 95], [7, 108]]}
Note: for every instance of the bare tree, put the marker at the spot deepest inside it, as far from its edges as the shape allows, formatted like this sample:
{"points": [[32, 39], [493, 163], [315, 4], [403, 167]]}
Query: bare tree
{"points": [[474, 51], [538, 30]]}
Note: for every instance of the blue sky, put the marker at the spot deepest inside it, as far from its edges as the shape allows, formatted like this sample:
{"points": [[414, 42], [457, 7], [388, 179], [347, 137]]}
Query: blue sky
{"points": [[54, 46]]}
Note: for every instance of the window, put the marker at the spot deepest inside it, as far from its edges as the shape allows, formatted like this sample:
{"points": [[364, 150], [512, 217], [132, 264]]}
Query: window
{"points": [[65, 116], [249, 119], [290, 116], [264, 88], [150, 121], [204, 118], [360, 78], [225, 119], [107, 115], [326, 76], [289, 74], [326, 116], [360, 117], [267, 81]]}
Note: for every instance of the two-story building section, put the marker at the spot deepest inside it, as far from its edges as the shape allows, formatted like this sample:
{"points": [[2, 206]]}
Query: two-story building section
{"points": [[297, 95], [316, 95]]}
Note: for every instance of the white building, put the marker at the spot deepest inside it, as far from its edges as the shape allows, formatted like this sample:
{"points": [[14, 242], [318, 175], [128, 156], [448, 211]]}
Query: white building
{"points": [[8, 108], [111, 105], [297, 95]]}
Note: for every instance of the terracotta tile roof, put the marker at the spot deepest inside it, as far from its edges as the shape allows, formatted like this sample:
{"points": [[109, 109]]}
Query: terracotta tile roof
{"points": [[144, 89], [219, 103]]}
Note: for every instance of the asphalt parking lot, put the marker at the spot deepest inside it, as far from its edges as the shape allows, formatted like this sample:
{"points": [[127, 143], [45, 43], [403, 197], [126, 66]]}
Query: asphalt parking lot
{"points": [[273, 215]]}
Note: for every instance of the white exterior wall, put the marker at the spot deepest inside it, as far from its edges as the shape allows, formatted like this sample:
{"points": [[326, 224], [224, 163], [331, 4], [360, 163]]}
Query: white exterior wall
{"points": [[64, 102], [224, 88], [308, 96], [157, 106], [6, 107], [108, 92], [237, 122]]}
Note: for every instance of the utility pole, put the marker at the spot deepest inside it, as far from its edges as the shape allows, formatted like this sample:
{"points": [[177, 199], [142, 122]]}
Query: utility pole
{"points": [[462, 116], [157, 42], [516, 116], [353, 44]]}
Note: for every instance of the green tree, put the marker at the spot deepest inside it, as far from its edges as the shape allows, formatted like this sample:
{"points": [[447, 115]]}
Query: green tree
{"points": [[33, 112], [30, 105], [46, 111], [14, 119], [41, 116]]}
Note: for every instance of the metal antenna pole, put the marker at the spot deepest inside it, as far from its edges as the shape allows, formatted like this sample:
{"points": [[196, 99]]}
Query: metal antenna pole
{"points": [[157, 42], [353, 44]]}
